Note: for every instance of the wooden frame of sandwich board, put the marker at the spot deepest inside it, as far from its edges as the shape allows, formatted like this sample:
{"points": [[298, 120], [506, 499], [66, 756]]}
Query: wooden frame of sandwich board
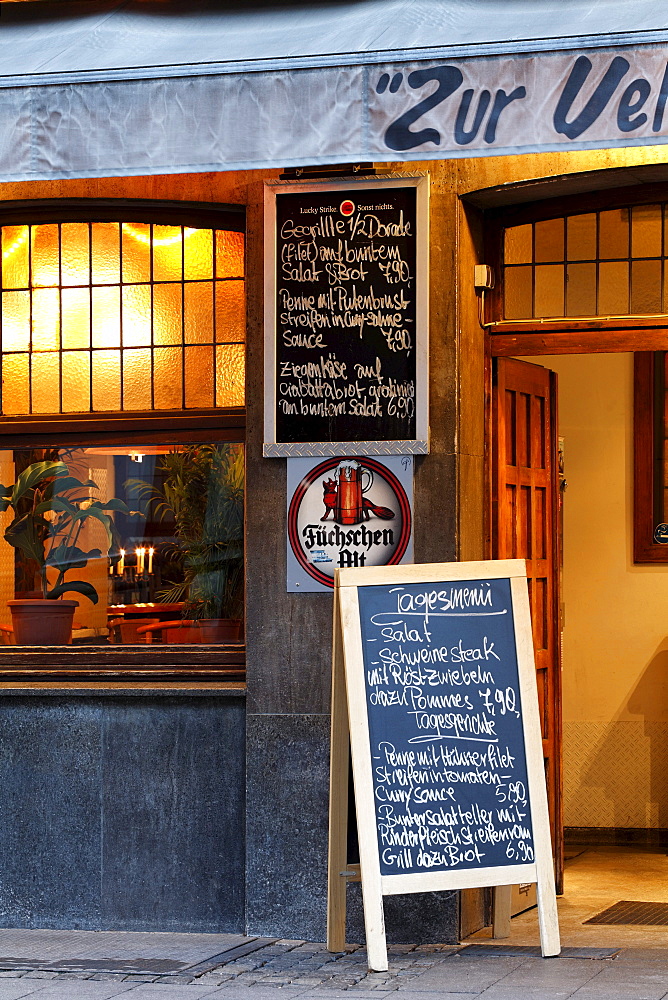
{"points": [[350, 735]]}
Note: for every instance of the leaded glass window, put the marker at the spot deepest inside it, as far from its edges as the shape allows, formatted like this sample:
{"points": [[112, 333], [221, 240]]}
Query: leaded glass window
{"points": [[609, 263], [109, 316]]}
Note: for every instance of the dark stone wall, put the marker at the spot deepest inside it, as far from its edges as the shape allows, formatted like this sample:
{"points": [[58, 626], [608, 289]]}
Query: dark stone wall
{"points": [[122, 811], [289, 648]]}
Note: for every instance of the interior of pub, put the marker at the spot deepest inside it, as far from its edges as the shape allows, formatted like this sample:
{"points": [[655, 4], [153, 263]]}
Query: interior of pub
{"points": [[111, 317]]}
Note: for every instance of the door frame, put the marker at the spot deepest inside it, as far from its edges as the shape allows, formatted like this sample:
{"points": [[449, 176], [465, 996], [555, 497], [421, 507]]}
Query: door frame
{"points": [[536, 344], [481, 218]]}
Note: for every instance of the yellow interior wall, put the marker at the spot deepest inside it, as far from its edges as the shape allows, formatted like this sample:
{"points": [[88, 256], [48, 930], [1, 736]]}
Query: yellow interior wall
{"points": [[615, 642]]}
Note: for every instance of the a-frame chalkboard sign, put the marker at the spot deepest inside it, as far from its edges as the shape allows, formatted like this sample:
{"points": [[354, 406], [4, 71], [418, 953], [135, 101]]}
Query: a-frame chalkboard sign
{"points": [[435, 686]]}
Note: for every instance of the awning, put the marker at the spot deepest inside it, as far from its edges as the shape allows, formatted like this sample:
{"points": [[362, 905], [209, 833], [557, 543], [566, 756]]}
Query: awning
{"points": [[107, 88]]}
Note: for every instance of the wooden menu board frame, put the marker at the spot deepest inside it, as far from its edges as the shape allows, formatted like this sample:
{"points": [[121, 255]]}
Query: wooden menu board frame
{"points": [[356, 187], [350, 721]]}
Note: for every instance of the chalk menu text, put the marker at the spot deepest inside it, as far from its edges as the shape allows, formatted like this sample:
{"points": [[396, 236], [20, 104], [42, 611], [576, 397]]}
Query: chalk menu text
{"points": [[345, 315], [447, 741]]}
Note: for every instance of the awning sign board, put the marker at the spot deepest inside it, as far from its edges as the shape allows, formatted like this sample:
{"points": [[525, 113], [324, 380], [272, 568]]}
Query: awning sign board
{"points": [[204, 118]]}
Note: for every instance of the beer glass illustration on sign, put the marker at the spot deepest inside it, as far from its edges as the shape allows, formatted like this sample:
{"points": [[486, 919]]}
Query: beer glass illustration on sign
{"points": [[344, 496]]}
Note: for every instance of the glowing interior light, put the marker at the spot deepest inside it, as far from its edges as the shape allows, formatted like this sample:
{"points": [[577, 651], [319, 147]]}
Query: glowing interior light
{"points": [[18, 242], [89, 325], [164, 241]]}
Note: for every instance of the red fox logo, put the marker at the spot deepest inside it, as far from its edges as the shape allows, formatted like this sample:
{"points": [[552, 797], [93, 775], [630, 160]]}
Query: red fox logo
{"points": [[329, 496]]}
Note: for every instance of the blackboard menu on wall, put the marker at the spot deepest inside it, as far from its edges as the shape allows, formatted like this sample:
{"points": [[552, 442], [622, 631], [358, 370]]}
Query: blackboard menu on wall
{"points": [[446, 732], [346, 323]]}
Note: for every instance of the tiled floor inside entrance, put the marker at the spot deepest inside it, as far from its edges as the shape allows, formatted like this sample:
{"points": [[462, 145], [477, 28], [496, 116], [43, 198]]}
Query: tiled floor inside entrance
{"points": [[596, 878]]}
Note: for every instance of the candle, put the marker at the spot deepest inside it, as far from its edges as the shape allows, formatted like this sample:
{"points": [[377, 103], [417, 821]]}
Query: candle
{"points": [[150, 560], [140, 560], [120, 566]]}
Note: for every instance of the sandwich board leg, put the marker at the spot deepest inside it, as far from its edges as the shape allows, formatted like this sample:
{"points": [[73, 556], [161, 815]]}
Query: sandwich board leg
{"points": [[548, 920], [547, 900], [346, 616], [374, 923], [338, 796]]}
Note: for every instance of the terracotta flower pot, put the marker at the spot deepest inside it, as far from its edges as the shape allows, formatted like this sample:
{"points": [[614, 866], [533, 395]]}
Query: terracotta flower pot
{"points": [[220, 629], [42, 623]]}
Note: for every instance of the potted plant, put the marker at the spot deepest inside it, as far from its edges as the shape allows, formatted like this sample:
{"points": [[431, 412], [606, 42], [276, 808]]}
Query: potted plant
{"points": [[51, 507], [203, 493]]}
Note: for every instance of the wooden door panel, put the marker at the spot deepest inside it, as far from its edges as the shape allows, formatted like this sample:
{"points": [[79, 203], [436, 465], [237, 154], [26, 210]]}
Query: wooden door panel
{"points": [[524, 526]]}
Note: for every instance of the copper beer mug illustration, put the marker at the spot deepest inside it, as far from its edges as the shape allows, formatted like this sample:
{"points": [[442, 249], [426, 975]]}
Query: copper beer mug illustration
{"points": [[353, 482]]}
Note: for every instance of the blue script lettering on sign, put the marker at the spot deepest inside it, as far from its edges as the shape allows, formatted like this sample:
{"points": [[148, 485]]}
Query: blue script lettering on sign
{"points": [[446, 732], [449, 78], [576, 99]]}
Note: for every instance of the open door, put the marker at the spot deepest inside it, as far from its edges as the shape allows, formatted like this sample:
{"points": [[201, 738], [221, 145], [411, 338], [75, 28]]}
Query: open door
{"points": [[525, 491]]}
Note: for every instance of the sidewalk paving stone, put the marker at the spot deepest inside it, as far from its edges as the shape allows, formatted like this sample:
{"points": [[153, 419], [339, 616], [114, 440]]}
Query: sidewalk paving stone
{"points": [[17, 990], [298, 970], [615, 991], [540, 993], [613, 994], [536, 972], [76, 991], [464, 975]]}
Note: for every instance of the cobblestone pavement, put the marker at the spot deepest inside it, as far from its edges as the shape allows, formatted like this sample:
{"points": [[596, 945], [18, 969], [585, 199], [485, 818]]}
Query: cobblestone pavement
{"points": [[308, 971]]}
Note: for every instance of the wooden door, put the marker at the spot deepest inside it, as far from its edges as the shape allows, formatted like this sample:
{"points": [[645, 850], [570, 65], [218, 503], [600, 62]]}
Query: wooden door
{"points": [[525, 492]]}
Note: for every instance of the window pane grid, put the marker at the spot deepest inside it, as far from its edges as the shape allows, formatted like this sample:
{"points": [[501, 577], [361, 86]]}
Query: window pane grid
{"points": [[60, 313], [157, 325], [30, 299], [609, 263]]}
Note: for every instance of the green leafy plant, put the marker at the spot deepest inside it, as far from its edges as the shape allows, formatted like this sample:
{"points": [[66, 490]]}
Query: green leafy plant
{"points": [[58, 506], [203, 494]]}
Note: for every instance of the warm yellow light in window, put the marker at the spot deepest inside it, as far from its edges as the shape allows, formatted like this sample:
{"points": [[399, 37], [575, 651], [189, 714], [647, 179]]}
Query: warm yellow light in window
{"points": [[74, 254], [157, 241], [18, 242], [105, 316], [15, 256], [45, 319], [45, 256], [15, 321]]}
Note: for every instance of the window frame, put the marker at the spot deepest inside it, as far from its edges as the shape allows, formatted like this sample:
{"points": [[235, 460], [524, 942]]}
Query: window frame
{"points": [[124, 210], [561, 335], [154, 664]]}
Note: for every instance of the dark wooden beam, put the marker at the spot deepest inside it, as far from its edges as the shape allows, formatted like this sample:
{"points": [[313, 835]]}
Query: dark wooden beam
{"points": [[582, 341]]}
